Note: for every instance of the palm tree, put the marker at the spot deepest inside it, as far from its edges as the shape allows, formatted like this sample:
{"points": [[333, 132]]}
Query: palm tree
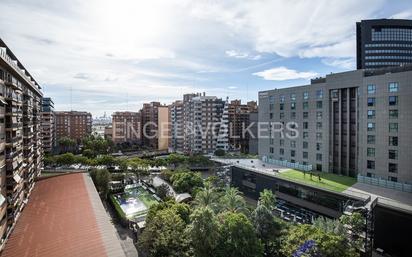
{"points": [[233, 201], [267, 199], [207, 197]]}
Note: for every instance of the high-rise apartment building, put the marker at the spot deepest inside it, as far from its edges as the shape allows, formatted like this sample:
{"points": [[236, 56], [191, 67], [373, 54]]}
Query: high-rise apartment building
{"points": [[20, 138], [238, 122], [383, 43], [155, 125], [176, 139], [73, 124], [350, 123], [126, 127], [48, 124]]}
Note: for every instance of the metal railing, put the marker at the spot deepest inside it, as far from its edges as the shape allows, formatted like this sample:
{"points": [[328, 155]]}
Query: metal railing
{"points": [[385, 183]]}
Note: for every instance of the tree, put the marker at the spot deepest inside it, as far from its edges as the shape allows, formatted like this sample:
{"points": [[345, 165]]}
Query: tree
{"points": [[268, 199], [107, 160], [330, 226], [220, 152], [65, 159], [163, 191], [101, 179], [164, 235], [237, 237], [356, 224], [176, 159], [327, 244], [88, 153], [66, 144], [204, 232], [186, 181], [207, 197], [233, 201]]}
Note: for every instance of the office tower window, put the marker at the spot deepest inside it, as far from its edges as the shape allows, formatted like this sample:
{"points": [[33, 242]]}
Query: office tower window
{"points": [[319, 136], [371, 114], [393, 167], [305, 105], [319, 115], [270, 115], [292, 153], [319, 104], [318, 167], [305, 145], [293, 97], [371, 152], [370, 164], [271, 106], [292, 144], [393, 154], [281, 106], [393, 179], [319, 157], [282, 142], [305, 125], [281, 115], [271, 99], [318, 125], [393, 114], [371, 139], [305, 115], [305, 135], [393, 87], [271, 149], [393, 141], [281, 151], [371, 89], [293, 106], [305, 155], [282, 98], [319, 93], [305, 95], [371, 101], [293, 115], [371, 126], [318, 146], [393, 100], [393, 127], [334, 93], [272, 141]]}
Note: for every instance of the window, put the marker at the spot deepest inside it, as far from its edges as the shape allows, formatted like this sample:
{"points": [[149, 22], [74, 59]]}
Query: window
{"points": [[293, 115], [370, 164], [292, 153], [281, 115], [370, 152], [271, 149], [393, 167], [271, 99], [305, 115], [371, 89], [319, 104], [334, 93], [318, 167], [393, 87], [305, 135], [393, 127], [371, 126], [393, 100], [393, 141], [305, 155], [305, 105], [318, 146], [281, 106], [282, 142], [371, 139], [318, 125], [371, 114], [393, 114], [318, 135], [393, 154], [271, 106], [293, 97], [293, 106], [393, 179], [270, 115], [281, 151], [305, 125], [292, 144], [319, 93], [371, 101], [282, 98], [319, 115], [305, 95], [305, 145], [319, 157]]}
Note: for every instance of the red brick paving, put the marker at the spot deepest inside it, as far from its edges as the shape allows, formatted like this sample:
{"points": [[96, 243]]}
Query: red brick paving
{"points": [[58, 221]]}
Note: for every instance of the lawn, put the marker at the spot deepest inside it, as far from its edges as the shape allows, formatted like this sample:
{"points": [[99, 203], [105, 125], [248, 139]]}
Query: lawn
{"points": [[328, 180]]}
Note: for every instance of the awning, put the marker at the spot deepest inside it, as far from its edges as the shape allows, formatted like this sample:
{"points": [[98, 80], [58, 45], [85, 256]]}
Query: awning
{"points": [[17, 178]]}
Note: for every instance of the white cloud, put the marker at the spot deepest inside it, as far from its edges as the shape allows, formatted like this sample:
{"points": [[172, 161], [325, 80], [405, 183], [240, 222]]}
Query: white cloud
{"points": [[283, 73], [407, 14], [345, 63], [242, 55], [232, 87]]}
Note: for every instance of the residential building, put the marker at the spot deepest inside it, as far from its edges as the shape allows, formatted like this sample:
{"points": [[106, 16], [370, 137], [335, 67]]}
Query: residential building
{"points": [[383, 43], [48, 125], [176, 139], [73, 124], [238, 122], [108, 132], [350, 123], [21, 153], [155, 126], [126, 127], [253, 141]]}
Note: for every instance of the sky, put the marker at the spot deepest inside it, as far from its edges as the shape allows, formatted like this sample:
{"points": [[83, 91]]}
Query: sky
{"points": [[114, 55]]}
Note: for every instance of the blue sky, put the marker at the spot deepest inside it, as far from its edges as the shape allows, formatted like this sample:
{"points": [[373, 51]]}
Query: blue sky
{"points": [[117, 54]]}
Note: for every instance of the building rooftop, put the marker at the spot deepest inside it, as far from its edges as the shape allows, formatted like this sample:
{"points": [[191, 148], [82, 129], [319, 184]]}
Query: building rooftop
{"points": [[64, 217]]}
